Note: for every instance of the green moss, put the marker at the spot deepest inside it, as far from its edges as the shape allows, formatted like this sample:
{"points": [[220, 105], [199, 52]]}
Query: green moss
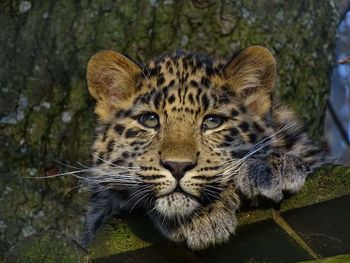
{"points": [[49, 247], [38, 128], [327, 183], [336, 259], [115, 238], [78, 96]]}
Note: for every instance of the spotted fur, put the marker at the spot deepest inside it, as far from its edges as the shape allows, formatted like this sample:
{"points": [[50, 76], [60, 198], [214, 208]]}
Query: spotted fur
{"points": [[259, 149]]}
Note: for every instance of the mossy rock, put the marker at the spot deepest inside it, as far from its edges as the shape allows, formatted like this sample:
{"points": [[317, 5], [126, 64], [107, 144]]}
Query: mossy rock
{"points": [[48, 247]]}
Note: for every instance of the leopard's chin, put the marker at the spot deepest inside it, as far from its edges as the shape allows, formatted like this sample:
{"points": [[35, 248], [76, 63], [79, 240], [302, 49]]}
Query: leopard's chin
{"points": [[176, 205]]}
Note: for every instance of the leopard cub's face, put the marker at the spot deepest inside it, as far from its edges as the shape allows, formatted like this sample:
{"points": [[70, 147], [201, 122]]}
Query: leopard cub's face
{"points": [[172, 135]]}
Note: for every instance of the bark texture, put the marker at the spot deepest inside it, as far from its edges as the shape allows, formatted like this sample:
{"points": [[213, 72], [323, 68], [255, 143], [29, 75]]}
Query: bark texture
{"points": [[46, 115]]}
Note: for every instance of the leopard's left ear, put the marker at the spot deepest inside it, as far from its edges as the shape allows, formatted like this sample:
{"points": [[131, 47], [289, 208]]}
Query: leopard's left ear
{"points": [[252, 75], [111, 79]]}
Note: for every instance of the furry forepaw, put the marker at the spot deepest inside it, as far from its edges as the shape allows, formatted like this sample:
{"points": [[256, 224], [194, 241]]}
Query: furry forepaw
{"points": [[271, 178], [211, 225], [209, 229]]}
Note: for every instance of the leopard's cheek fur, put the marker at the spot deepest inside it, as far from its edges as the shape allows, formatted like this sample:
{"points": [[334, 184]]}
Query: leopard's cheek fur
{"points": [[160, 181], [165, 186], [205, 182]]}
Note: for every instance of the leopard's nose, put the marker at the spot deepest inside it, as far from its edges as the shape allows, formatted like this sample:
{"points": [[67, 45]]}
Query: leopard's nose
{"points": [[178, 169]]}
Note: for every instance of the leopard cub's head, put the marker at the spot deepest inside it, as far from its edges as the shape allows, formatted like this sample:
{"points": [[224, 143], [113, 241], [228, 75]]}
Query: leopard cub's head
{"points": [[172, 133]]}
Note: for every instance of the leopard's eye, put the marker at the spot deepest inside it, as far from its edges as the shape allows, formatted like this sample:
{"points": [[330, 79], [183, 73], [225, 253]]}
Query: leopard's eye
{"points": [[212, 122], [149, 120]]}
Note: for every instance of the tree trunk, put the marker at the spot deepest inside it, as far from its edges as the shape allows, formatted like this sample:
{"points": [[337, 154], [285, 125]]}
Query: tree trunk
{"points": [[46, 114]]}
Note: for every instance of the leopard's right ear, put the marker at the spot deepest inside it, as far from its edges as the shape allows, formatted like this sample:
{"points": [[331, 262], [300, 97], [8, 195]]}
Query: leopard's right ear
{"points": [[252, 75], [111, 78]]}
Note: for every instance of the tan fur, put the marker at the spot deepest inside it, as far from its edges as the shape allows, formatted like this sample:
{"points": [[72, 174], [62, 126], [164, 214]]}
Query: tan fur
{"points": [[179, 145]]}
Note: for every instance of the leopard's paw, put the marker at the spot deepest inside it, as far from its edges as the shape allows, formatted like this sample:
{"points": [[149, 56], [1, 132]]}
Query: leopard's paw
{"points": [[210, 228]]}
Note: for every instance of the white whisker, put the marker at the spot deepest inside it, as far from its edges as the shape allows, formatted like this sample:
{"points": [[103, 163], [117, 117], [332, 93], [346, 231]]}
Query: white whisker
{"points": [[148, 192], [114, 165]]}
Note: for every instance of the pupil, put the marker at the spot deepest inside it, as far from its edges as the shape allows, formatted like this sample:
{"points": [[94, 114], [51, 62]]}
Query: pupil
{"points": [[212, 119], [151, 120]]}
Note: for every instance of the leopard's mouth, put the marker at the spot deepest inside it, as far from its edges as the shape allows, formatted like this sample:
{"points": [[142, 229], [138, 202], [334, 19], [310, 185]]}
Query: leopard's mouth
{"points": [[179, 190], [176, 204]]}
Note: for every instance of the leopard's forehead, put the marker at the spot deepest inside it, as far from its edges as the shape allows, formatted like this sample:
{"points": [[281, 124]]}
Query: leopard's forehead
{"points": [[184, 65], [186, 69], [182, 85]]}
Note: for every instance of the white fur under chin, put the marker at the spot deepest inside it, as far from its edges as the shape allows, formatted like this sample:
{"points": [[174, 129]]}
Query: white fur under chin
{"points": [[176, 205]]}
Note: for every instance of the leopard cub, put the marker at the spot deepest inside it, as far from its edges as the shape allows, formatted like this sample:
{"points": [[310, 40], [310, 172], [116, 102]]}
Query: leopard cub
{"points": [[184, 137]]}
